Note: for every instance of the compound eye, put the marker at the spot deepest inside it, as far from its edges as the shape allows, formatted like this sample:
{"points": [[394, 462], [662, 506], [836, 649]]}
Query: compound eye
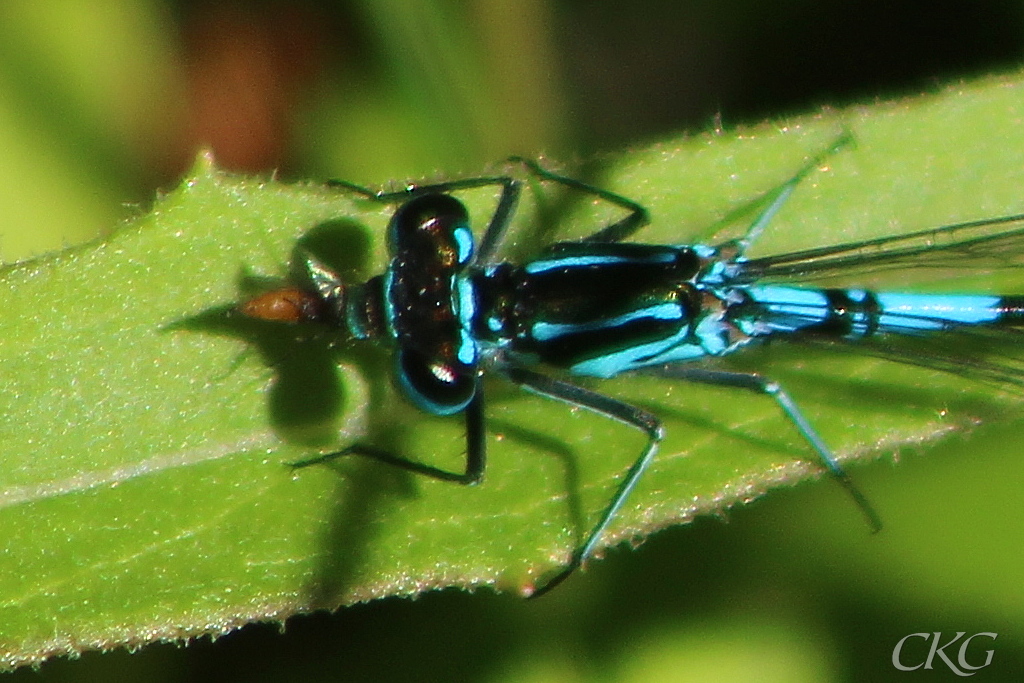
{"points": [[435, 386], [433, 227]]}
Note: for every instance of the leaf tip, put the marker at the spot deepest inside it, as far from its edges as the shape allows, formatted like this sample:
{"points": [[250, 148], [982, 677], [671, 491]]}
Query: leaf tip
{"points": [[203, 167]]}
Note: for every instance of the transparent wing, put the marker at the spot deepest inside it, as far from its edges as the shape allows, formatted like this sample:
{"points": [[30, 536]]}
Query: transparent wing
{"points": [[926, 256], [989, 355]]}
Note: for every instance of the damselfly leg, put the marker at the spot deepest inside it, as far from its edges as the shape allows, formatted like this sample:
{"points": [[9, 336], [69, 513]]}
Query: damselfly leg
{"points": [[766, 387]]}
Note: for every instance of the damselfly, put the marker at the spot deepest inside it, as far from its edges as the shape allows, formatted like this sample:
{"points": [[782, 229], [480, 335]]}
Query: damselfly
{"points": [[602, 306]]}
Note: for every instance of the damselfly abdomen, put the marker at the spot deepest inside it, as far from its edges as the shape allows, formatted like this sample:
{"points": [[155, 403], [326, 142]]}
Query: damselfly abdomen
{"points": [[602, 306]]}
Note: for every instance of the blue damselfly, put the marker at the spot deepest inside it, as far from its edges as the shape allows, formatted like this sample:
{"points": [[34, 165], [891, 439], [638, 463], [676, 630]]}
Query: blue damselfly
{"points": [[602, 306]]}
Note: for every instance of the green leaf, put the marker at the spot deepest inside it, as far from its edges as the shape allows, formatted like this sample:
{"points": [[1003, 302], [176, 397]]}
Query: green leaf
{"points": [[146, 428]]}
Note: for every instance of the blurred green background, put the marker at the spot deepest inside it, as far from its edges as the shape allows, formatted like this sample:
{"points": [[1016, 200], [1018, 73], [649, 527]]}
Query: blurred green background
{"points": [[103, 103]]}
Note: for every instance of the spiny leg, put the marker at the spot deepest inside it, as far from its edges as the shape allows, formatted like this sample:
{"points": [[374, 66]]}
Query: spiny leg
{"points": [[761, 385], [616, 232], [496, 227], [476, 451], [781, 194], [609, 407]]}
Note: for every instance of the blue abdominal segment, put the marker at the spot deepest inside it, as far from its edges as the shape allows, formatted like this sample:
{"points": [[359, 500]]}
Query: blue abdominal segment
{"points": [[936, 312], [855, 313]]}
